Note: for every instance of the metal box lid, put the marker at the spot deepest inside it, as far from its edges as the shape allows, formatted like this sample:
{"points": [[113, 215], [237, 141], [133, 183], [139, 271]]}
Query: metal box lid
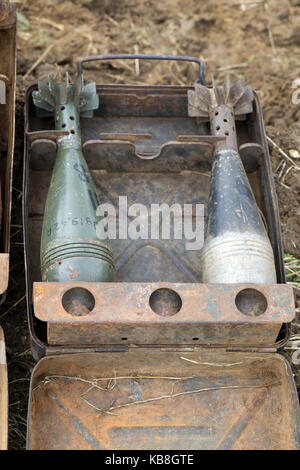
{"points": [[163, 400]]}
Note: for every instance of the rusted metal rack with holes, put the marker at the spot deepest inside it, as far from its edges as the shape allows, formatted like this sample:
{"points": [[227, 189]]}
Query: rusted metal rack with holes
{"points": [[7, 113], [161, 360]]}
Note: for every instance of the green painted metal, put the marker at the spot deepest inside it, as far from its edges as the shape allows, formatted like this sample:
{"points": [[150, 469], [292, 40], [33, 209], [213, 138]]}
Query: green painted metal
{"points": [[70, 247]]}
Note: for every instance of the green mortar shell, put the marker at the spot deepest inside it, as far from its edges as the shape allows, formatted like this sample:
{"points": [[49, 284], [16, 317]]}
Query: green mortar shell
{"points": [[70, 247]]}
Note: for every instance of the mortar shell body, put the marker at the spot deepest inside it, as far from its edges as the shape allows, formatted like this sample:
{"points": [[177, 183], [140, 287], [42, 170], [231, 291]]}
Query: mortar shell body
{"points": [[70, 247], [237, 247]]}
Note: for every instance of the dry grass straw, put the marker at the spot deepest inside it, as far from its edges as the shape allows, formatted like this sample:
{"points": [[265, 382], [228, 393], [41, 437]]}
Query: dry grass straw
{"points": [[112, 381], [292, 270]]}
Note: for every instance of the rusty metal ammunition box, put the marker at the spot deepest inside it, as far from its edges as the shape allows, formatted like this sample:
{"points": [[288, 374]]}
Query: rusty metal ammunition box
{"points": [[7, 116], [162, 361]]}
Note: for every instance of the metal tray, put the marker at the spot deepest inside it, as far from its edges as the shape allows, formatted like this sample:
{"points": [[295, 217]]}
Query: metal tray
{"points": [[163, 400]]}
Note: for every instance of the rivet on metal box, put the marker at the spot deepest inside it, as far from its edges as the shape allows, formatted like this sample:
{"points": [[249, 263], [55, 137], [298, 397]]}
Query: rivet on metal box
{"points": [[7, 113], [142, 344]]}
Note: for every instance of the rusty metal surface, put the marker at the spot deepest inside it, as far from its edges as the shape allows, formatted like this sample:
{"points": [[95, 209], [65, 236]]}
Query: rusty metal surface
{"points": [[163, 313], [267, 184], [251, 155], [180, 174], [110, 140], [3, 394], [175, 400], [7, 112], [95, 147]]}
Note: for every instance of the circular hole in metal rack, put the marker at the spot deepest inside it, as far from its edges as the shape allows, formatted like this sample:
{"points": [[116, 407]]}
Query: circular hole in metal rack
{"points": [[165, 302], [78, 301], [251, 302]]}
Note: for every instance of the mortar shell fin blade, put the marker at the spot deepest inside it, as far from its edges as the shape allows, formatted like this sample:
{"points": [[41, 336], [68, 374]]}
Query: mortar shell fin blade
{"points": [[227, 88], [40, 103], [64, 90], [45, 94], [217, 94], [198, 101], [202, 92], [245, 104], [53, 87], [77, 89], [236, 91], [91, 98]]}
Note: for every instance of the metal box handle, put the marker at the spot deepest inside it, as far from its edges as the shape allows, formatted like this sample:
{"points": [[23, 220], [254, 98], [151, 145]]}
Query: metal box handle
{"points": [[200, 63]]}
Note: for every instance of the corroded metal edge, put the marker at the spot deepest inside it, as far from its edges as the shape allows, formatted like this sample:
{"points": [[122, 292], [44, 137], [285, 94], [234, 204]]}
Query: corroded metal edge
{"points": [[123, 314], [129, 302], [8, 65]]}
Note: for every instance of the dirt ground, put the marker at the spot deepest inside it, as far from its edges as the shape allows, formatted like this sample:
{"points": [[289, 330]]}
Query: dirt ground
{"points": [[256, 39]]}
